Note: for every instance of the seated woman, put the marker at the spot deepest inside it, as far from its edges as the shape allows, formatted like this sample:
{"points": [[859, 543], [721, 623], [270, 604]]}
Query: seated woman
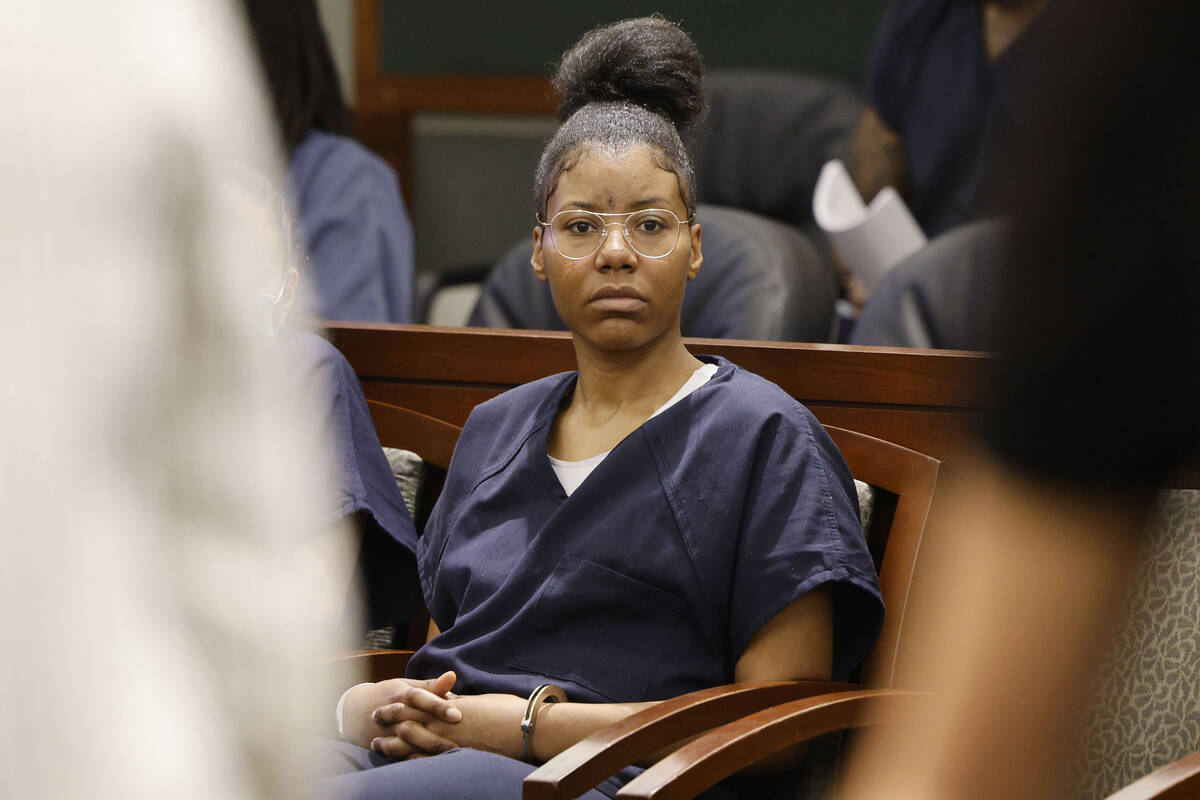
{"points": [[650, 525]]}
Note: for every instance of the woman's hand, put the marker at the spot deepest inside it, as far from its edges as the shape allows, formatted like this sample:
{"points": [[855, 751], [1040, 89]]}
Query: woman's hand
{"points": [[424, 700], [489, 722]]}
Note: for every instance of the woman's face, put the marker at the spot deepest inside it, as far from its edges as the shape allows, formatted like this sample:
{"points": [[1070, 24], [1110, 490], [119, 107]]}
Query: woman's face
{"points": [[617, 299]]}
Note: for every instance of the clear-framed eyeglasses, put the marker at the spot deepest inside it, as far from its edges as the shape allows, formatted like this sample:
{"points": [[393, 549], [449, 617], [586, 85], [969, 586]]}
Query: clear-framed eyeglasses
{"points": [[651, 232]]}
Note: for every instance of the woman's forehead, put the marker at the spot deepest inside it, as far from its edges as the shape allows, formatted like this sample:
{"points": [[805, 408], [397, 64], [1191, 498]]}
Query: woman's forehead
{"points": [[602, 180]]}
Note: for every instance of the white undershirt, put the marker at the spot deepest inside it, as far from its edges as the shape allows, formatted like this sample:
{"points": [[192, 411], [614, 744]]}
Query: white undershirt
{"points": [[572, 473]]}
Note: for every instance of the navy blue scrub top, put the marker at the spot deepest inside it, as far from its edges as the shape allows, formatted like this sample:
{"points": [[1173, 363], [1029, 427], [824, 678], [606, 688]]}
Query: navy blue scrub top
{"points": [[930, 81], [356, 229], [650, 579], [365, 487]]}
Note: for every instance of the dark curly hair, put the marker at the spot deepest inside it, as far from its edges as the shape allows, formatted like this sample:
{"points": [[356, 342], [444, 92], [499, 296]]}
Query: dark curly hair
{"points": [[635, 82]]}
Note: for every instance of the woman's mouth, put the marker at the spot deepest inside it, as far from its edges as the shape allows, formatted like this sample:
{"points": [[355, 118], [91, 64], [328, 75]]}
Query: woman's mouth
{"points": [[611, 297]]}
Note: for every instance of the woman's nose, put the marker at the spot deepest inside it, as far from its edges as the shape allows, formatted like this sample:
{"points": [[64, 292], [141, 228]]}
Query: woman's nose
{"points": [[615, 252]]}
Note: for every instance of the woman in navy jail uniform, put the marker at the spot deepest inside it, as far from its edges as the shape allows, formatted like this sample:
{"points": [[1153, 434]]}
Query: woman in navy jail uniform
{"points": [[652, 524]]}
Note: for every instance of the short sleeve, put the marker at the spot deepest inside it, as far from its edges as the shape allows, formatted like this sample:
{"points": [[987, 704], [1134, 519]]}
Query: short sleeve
{"points": [[357, 231], [800, 530]]}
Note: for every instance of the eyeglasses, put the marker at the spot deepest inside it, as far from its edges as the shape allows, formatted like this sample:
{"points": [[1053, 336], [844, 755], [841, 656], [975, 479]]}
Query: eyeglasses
{"points": [[578, 234]]}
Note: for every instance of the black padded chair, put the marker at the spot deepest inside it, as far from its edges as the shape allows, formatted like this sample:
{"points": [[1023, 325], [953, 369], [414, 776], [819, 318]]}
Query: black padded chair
{"points": [[935, 297], [767, 136], [761, 279]]}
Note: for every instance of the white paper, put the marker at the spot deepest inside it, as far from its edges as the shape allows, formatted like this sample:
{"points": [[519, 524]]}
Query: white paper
{"points": [[870, 239]]}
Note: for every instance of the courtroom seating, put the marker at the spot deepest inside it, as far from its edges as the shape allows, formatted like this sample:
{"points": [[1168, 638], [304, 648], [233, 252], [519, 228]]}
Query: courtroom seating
{"points": [[768, 134], [418, 448], [935, 297], [761, 279], [905, 482]]}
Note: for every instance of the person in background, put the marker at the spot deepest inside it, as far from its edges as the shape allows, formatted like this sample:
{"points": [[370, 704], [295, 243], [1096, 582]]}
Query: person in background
{"points": [[1092, 411], [353, 219], [937, 74]]}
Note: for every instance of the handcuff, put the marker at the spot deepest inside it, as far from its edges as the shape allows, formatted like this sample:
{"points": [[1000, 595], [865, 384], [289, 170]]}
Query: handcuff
{"points": [[546, 693]]}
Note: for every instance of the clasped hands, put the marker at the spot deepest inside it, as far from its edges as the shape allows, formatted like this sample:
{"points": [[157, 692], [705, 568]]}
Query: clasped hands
{"points": [[404, 718]]}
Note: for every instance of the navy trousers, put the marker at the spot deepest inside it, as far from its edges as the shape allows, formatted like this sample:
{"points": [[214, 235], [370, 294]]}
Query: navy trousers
{"points": [[463, 774]]}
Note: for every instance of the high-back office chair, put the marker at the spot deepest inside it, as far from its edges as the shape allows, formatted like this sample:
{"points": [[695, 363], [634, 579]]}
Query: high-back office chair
{"points": [[934, 298], [767, 136], [904, 482], [761, 279]]}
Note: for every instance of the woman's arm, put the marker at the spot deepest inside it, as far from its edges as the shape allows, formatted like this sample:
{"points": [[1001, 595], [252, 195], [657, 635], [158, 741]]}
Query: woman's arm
{"points": [[797, 643]]}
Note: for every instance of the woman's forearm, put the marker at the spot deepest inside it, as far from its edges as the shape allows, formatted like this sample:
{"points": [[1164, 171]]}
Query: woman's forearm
{"points": [[560, 725]]}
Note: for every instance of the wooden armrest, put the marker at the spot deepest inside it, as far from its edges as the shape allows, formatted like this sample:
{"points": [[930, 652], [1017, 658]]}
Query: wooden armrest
{"points": [[638, 736], [1179, 780], [379, 665], [736, 745]]}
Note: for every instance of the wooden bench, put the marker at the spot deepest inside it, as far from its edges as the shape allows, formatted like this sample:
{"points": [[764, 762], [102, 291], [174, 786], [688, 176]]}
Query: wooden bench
{"points": [[922, 399]]}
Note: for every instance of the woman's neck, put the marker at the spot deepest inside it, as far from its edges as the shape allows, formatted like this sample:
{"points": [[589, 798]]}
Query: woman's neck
{"points": [[612, 382]]}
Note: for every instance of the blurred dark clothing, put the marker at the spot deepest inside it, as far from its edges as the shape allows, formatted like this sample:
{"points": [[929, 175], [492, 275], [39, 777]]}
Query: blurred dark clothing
{"points": [[364, 488], [931, 82], [356, 229], [1098, 312]]}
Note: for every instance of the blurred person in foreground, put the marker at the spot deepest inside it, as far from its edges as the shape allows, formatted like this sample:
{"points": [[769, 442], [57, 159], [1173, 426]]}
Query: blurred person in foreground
{"points": [[353, 219], [365, 508], [160, 601], [1094, 407]]}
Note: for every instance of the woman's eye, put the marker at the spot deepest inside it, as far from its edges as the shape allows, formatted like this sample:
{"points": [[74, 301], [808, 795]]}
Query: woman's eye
{"points": [[651, 225], [581, 227]]}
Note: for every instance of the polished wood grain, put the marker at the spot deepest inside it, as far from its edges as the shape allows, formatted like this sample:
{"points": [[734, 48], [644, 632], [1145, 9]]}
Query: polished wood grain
{"points": [[432, 439], [377, 665], [1179, 780], [925, 400], [605, 752], [912, 478], [734, 746]]}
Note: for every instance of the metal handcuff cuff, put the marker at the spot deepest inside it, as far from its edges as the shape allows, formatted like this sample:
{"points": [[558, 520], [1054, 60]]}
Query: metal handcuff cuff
{"points": [[546, 693]]}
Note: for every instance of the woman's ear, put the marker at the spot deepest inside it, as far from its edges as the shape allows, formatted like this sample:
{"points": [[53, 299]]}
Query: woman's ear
{"points": [[539, 266], [695, 232]]}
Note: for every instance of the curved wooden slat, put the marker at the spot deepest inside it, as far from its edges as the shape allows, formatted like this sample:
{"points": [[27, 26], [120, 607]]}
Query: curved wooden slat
{"points": [[379, 664], [724, 751], [1179, 780], [432, 439], [913, 478], [579, 768]]}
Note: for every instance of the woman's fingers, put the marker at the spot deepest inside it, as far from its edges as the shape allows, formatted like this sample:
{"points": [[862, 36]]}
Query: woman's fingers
{"points": [[412, 738], [395, 713], [424, 700], [442, 684]]}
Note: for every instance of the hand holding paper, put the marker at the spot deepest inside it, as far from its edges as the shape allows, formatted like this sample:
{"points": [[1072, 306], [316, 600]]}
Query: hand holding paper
{"points": [[870, 239]]}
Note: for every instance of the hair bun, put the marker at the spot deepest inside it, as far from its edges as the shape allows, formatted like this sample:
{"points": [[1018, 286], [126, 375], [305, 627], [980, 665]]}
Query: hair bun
{"points": [[647, 61]]}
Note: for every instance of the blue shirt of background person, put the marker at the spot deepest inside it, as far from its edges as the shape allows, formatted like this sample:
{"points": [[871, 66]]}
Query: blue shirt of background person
{"points": [[355, 226], [356, 229]]}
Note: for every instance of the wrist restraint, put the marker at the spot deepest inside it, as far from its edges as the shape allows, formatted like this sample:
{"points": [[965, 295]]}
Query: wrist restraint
{"points": [[546, 693]]}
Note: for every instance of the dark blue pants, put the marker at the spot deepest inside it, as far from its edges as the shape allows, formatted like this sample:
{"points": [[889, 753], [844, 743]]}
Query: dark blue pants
{"points": [[358, 774]]}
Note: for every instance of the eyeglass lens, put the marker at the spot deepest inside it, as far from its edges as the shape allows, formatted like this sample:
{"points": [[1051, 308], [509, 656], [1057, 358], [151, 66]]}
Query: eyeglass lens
{"points": [[653, 232]]}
